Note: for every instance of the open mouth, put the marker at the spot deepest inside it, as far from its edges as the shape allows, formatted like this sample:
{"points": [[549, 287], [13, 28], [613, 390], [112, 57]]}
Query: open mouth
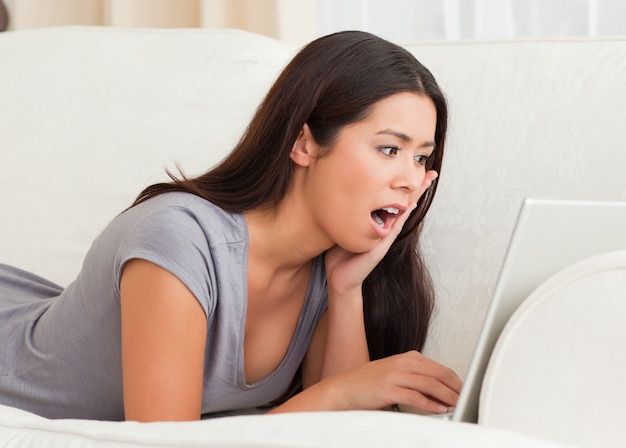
{"points": [[385, 215]]}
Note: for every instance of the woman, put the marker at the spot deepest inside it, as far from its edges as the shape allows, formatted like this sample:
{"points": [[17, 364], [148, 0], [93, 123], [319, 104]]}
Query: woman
{"points": [[284, 277]]}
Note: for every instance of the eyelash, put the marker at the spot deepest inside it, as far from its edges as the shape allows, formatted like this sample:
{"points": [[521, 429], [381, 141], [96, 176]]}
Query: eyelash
{"points": [[393, 150]]}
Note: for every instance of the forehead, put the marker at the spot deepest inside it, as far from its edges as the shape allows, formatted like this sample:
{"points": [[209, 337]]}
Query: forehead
{"points": [[408, 113]]}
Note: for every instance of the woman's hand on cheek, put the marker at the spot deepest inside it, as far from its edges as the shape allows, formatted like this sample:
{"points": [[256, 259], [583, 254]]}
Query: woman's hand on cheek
{"points": [[407, 379], [346, 271]]}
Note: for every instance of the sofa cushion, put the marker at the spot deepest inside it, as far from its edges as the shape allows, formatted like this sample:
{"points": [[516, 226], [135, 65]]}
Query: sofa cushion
{"points": [[19, 429]]}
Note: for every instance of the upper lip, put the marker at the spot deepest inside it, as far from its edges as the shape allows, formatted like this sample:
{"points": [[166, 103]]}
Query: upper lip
{"points": [[400, 208]]}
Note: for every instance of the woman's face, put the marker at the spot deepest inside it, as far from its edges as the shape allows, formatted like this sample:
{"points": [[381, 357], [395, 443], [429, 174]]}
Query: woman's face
{"points": [[373, 171]]}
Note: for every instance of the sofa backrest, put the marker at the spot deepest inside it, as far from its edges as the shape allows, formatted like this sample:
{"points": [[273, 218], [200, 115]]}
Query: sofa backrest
{"points": [[533, 118], [90, 116]]}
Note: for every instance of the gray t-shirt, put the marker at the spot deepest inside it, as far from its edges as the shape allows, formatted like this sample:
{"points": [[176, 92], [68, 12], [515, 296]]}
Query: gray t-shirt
{"points": [[60, 353]]}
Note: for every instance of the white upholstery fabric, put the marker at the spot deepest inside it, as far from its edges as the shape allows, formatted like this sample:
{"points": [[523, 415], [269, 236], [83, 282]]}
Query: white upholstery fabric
{"points": [[558, 368], [89, 116], [329, 429], [538, 118]]}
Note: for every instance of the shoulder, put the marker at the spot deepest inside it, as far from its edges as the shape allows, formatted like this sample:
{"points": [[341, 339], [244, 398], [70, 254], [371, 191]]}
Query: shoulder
{"points": [[178, 227], [196, 241], [186, 214]]}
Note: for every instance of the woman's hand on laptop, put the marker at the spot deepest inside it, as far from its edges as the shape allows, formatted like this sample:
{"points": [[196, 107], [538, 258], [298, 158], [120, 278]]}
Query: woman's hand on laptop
{"points": [[409, 379]]}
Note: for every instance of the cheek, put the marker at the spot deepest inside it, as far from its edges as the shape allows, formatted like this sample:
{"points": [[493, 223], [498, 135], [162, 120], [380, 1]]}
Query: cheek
{"points": [[352, 189], [338, 201], [344, 184], [342, 177]]}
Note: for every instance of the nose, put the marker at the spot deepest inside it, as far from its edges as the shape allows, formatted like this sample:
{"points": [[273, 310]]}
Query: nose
{"points": [[408, 176]]}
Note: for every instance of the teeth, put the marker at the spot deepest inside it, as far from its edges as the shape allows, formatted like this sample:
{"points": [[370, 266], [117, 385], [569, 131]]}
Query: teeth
{"points": [[391, 210], [379, 220]]}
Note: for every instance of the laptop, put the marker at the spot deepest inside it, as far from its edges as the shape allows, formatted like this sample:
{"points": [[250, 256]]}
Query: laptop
{"points": [[549, 235]]}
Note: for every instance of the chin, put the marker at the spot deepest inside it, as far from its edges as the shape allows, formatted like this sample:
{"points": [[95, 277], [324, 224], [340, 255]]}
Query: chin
{"points": [[359, 247]]}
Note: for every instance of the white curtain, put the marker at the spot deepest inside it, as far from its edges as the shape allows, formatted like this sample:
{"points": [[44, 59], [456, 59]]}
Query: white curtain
{"points": [[299, 21], [415, 20]]}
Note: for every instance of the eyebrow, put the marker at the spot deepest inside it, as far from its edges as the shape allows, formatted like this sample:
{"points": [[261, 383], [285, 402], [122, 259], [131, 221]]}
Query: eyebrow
{"points": [[402, 136]]}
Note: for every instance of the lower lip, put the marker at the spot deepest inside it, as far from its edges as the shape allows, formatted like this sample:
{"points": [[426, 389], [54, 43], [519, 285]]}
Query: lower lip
{"points": [[383, 231]]}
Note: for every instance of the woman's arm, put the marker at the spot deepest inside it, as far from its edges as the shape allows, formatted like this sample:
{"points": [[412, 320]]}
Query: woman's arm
{"points": [[163, 343], [339, 341], [339, 353], [344, 340], [407, 379]]}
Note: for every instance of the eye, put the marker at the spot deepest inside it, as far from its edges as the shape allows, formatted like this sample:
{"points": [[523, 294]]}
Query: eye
{"points": [[421, 159], [389, 151]]}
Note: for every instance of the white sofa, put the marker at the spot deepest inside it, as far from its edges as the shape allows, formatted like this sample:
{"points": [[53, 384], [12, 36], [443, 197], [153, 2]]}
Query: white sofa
{"points": [[89, 116]]}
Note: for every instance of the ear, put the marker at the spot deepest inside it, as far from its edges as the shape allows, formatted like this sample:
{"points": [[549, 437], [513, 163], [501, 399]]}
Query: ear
{"points": [[304, 149]]}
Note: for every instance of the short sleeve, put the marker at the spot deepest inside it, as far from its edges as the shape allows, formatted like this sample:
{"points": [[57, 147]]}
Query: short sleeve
{"points": [[173, 239]]}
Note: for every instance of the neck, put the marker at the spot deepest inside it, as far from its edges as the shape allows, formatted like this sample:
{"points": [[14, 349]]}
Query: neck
{"points": [[285, 237]]}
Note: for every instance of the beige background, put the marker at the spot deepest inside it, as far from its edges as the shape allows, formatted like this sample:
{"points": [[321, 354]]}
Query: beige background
{"points": [[287, 20]]}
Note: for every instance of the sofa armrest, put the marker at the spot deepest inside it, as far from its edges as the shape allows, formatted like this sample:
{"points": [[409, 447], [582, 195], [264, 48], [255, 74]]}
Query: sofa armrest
{"points": [[558, 369]]}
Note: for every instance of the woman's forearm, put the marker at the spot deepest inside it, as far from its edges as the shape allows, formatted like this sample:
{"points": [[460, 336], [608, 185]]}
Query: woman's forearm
{"points": [[346, 343], [322, 396]]}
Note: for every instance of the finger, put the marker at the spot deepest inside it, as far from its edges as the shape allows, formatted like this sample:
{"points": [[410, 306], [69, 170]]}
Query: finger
{"points": [[440, 393], [430, 387], [383, 246], [422, 365], [442, 374], [416, 371], [419, 401], [396, 227], [429, 178]]}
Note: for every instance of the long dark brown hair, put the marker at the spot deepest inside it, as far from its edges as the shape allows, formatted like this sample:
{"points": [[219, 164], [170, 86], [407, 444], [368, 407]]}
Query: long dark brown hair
{"points": [[332, 82]]}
